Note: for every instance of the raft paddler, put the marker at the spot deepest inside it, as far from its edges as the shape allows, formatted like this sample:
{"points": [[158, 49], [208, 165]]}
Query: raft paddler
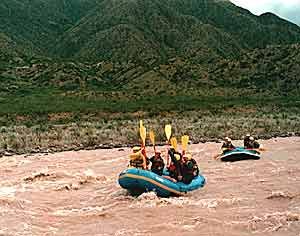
{"points": [[158, 164], [253, 144], [227, 145], [247, 140], [189, 168], [138, 158], [175, 165]]}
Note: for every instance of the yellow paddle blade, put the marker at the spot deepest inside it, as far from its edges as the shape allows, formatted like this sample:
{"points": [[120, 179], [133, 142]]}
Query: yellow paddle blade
{"points": [[143, 134], [141, 123], [174, 143], [152, 137], [184, 142], [168, 131]]}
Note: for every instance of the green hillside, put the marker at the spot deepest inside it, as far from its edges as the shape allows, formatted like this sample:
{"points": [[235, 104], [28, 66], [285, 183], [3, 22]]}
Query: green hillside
{"points": [[140, 29], [156, 30], [38, 23]]}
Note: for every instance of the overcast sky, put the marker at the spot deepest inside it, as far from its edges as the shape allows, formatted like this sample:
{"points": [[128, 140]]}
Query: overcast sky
{"points": [[288, 9]]}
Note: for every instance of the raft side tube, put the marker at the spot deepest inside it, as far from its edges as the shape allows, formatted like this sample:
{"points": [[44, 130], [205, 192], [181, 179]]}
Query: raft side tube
{"points": [[137, 181], [239, 154]]}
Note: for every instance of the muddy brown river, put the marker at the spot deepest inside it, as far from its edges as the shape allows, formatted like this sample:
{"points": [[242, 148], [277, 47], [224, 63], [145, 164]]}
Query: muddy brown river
{"points": [[76, 193]]}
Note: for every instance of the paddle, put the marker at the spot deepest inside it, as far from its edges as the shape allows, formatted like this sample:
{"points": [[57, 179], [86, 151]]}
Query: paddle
{"points": [[257, 149], [168, 132], [217, 156], [174, 143], [142, 133], [221, 153], [143, 137], [152, 138], [184, 143]]}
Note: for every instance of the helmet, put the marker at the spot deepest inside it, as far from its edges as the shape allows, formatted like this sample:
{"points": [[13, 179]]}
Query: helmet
{"points": [[251, 138], [190, 164], [227, 140], [248, 135], [136, 149], [177, 157], [134, 156]]}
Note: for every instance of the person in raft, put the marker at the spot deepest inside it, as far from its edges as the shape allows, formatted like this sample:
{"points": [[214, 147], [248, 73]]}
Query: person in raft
{"points": [[138, 159], [253, 144], [247, 140], [158, 164], [175, 166], [189, 168], [227, 145]]}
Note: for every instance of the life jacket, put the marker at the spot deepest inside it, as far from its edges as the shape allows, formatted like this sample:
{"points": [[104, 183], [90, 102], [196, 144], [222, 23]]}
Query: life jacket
{"points": [[256, 144], [246, 142], [173, 171], [253, 144], [157, 163], [175, 167], [138, 160], [195, 167], [172, 167], [227, 147]]}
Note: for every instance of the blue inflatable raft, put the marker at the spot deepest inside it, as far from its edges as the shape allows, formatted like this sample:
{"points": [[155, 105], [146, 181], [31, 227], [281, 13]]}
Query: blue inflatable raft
{"points": [[138, 181], [239, 154]]}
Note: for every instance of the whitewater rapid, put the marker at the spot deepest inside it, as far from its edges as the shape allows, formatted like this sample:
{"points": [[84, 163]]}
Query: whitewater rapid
{"points": [[76, 193]]}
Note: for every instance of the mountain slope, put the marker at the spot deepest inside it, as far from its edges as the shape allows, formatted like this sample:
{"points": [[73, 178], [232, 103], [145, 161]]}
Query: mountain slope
{"points": [[39, 22], [11, 52], [272, 71], [143, 29], [250, 30], [140, 30], [125, 30]]}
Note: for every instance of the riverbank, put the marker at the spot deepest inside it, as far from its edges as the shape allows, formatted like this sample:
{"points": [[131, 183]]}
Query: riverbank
{"points": [[115, 133]]}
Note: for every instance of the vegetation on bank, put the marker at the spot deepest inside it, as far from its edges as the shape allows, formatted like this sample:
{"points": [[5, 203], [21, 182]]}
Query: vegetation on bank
{"points": [[43, 103], [50, 123]]}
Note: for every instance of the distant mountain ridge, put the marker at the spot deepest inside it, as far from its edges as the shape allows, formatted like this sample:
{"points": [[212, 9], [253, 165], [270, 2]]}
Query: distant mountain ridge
{"points": [[140, 30]]}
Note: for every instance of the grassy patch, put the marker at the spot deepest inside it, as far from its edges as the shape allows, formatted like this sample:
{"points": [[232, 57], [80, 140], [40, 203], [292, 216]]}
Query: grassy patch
{"points": [[27, 102], [110, 132], [53, 119]]}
